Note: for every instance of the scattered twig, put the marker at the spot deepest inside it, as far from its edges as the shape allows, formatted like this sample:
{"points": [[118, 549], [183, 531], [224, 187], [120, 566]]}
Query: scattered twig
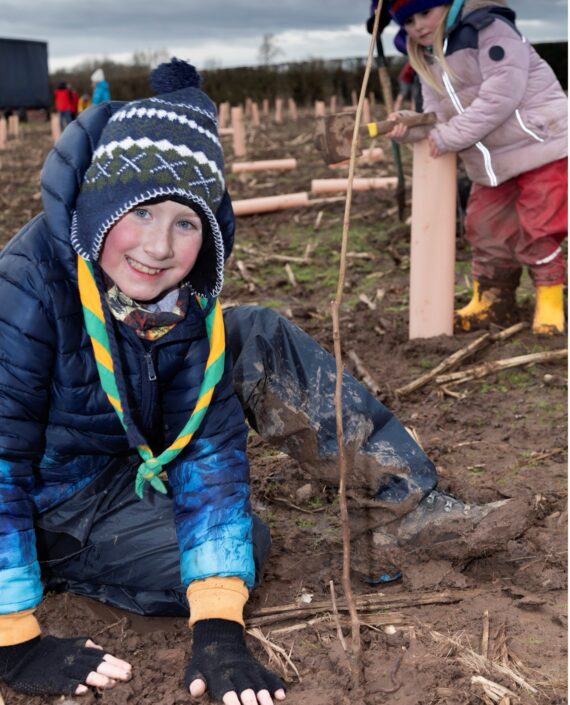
{"points": [[282, 500], [364, 374], [365, 300], [245, 276], [277, 654], [485, 635], [495, 692], [290, 275], [122, 621], [366, 620], [487, 368], [335, 617]]}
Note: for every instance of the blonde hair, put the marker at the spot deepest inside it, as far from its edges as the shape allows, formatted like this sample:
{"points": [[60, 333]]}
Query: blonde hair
{"points": [[419, 58]]}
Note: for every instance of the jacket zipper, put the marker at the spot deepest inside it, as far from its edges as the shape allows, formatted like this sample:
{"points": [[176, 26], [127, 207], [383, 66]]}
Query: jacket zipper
{"points": [[151, 372], [460, 109]]}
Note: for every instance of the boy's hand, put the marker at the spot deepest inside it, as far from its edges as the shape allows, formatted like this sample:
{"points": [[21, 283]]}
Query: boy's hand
{"points": [[54, 666], [221, 664]]}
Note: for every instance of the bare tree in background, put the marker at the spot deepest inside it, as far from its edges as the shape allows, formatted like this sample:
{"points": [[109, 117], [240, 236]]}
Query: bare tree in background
{"points": [[268, 50]]}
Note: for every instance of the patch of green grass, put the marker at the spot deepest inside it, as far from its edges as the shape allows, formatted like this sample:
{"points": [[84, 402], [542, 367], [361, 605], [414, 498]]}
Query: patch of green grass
{"points": [[489, 388], [425, 364], [315, 503], [476, 470], [304, 523]]}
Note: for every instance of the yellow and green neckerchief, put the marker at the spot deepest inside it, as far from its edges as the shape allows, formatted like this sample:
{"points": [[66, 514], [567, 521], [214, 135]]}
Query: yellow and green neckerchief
{"points": [[94, 318]]}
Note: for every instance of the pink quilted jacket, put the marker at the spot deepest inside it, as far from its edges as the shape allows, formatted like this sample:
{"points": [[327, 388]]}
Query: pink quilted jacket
{"points": [[502, 108]]}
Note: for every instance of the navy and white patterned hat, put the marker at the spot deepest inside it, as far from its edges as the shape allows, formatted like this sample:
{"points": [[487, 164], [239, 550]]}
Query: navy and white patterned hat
{"points": [[160, 148]]}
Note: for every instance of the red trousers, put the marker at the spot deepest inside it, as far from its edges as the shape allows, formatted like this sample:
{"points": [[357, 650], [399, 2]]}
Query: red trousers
{"points": [[520, 223]]}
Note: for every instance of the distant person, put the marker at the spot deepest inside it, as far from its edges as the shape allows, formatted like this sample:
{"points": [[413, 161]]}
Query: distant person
{"points": [[500, 106], [84, 102], [63, 103], [74, 100], [101, 91]]}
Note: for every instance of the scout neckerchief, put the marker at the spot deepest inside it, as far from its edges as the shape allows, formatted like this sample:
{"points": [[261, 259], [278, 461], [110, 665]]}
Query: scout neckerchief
{"points": [[95, 324]]}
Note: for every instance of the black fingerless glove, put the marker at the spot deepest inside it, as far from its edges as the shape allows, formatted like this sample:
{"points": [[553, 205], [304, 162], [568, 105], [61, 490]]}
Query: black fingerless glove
{"points": [[221, 659], [48, 666]]}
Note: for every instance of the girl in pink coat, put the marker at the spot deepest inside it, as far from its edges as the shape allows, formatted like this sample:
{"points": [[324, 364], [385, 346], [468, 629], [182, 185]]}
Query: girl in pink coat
{"points": [[500, 106]]}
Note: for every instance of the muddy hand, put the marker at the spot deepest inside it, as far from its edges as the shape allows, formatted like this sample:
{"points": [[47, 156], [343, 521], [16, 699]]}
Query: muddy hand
{"points": [[108, 672], [222, 664]]}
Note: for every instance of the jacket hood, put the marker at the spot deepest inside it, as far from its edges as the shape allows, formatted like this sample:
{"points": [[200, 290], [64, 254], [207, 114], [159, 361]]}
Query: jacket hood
{"points": [[472, 5], [66, 164]]}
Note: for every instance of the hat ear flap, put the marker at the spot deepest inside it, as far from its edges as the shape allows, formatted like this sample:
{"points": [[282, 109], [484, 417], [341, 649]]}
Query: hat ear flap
{"points": [[226, 220]]}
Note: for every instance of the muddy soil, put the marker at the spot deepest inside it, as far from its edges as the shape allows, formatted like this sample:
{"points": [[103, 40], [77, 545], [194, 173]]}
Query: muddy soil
{"points": [[501, 436]]}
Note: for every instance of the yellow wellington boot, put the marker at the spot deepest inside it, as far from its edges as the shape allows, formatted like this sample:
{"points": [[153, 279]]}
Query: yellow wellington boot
{"points": [[549, 310], [489, 304]]}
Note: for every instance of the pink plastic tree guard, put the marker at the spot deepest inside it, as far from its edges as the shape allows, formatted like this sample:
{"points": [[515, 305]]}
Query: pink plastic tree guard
{"points": [[432, 268]]}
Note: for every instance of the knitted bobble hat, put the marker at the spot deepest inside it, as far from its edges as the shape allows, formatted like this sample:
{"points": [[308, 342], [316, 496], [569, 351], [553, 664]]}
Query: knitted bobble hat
{"points": [[402, 10], [156, 149]]}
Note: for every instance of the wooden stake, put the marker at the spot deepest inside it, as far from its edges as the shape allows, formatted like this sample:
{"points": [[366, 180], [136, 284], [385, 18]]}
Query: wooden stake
{"points": [[333, 102], [265, 107], [223, 115], [55, 127], [265, 165], [267, 204], [319, 108], [362, 184], [14, 126], [239, 131], [292, 109], [278, 110], [366, 112], [255, 114], [3, 132], [432, 258]]}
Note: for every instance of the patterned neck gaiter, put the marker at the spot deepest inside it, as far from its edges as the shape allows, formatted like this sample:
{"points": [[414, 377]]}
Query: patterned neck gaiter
{"points": [[149, 320]]}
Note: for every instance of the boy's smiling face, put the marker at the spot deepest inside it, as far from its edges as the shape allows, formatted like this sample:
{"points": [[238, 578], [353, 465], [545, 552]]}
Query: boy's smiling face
{"points": [[152, 249]]}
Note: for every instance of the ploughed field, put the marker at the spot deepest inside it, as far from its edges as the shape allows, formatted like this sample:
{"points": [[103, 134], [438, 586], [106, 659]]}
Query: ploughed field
{"points": [[489, 630]]}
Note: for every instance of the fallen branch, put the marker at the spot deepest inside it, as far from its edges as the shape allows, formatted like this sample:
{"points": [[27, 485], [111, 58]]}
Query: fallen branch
{"points": [[488, 368], [364, 603], [459, 355]]}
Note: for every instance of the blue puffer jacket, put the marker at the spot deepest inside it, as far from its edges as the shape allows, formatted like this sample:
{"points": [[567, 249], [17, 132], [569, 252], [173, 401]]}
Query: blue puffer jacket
{"points": [[57, 428]]}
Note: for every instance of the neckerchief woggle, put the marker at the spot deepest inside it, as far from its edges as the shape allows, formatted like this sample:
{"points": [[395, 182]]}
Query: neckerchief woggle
{"points": [[94, 318]]}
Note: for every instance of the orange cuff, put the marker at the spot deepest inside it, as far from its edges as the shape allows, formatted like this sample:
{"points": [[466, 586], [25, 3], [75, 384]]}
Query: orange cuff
{"points": [[17, 627], [217, 598]]}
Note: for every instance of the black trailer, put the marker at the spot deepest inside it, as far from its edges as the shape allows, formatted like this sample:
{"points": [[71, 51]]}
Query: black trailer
{"points": [[24, 80]]}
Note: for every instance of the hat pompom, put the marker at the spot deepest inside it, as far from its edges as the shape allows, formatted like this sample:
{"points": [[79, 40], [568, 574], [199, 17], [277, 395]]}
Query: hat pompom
{"points": [[173, 76]]}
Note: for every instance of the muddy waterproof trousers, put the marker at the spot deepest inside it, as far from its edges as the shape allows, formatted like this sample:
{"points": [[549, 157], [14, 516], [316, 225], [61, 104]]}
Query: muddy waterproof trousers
{"points": [[107, 544]]}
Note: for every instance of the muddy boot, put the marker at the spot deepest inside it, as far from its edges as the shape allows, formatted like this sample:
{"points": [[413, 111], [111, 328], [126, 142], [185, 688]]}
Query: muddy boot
{"points": [[443, 527], [489, 304], [549, 310]]}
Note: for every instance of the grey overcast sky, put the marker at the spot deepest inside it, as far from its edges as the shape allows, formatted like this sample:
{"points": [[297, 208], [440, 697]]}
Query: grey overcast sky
{"points": [[222, 32]]}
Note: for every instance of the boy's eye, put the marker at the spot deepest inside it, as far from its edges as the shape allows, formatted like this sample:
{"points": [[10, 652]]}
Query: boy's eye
{"points": [[140, 212], [186, 224]]}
